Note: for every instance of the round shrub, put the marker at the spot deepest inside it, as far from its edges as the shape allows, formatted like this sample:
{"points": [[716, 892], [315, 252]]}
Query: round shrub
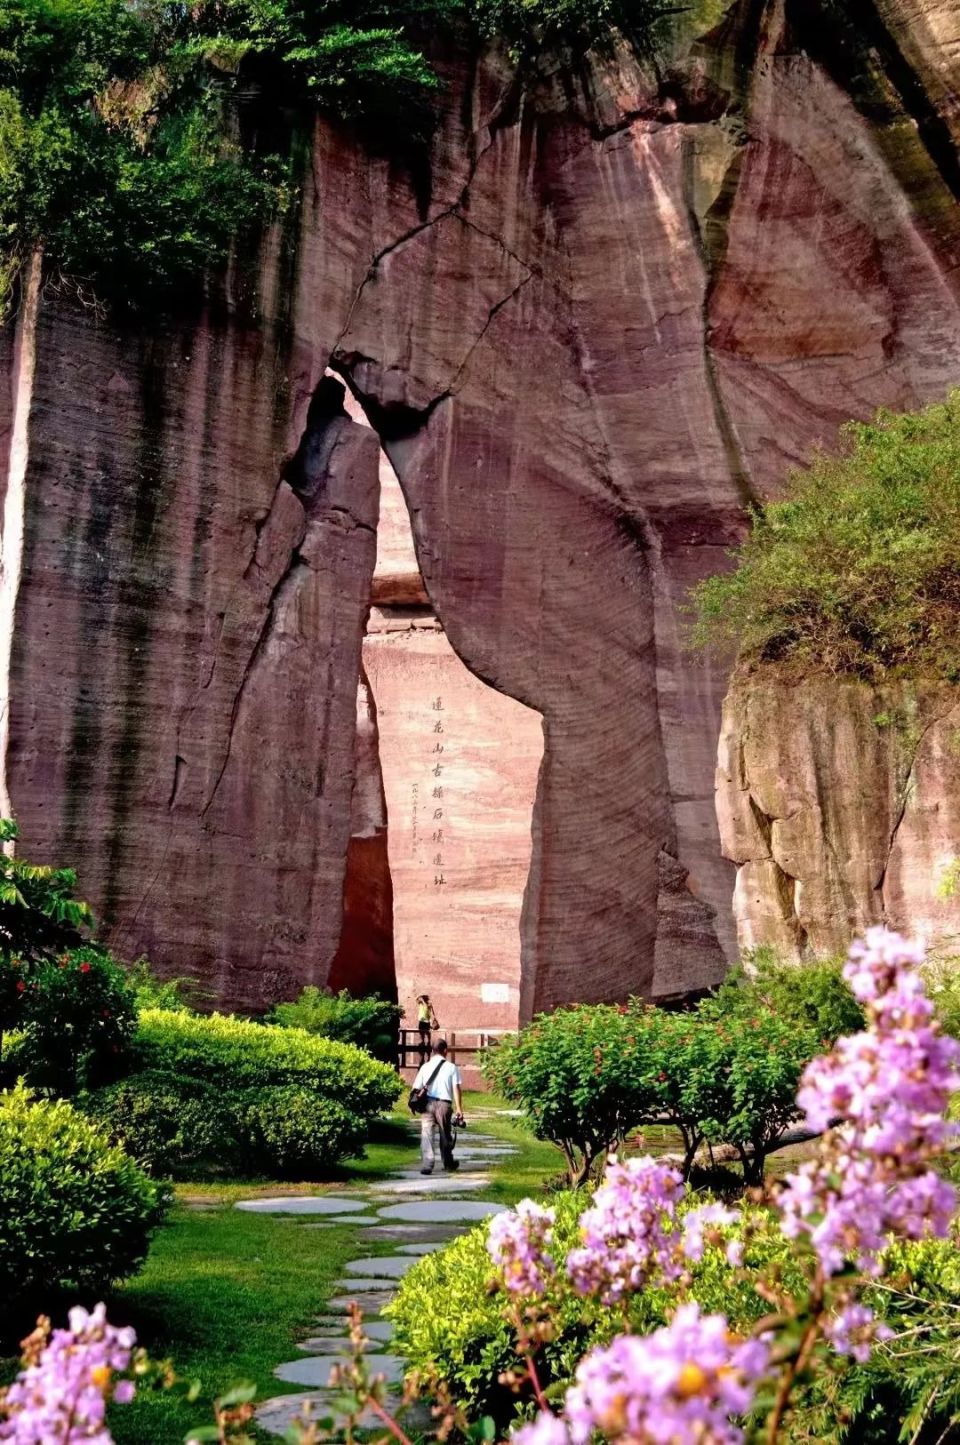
{"points": [[290, 1131], [167, 1123], [74, 1209], [234, 1054]]}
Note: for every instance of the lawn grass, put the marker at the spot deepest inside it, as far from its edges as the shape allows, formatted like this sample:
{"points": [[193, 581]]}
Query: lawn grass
{"points": [[225, 1294]]}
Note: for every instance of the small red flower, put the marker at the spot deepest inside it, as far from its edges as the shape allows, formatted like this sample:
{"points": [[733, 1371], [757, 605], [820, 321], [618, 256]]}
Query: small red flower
{"points": [[21, 986], [106, 1013], [84, 968]]}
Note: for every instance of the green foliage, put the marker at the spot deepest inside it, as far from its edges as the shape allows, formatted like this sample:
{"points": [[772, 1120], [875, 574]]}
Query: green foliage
{"points": [[450, 1325], [77, 1020], [169, 1124], [812, 995], [234, 1054], [292, 1132], [530, 26], [150, 991], [175, 1125], [73, 1209], [370, 1023], [585, 1077], [858, 570]]}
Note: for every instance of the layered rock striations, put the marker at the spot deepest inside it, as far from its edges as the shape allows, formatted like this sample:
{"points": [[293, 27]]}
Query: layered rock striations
{"points": [[605, 311], [840, 803]]}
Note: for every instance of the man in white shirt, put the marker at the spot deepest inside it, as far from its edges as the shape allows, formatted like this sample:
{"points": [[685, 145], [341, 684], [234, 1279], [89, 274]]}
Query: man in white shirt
{"points": [[443, 1084]]}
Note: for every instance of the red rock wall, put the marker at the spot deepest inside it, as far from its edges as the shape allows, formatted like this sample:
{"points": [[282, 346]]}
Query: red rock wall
{"points": [[623, 305]]}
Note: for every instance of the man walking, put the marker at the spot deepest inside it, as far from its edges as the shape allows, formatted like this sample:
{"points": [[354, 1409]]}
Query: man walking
{"points": [[443, 1084]]}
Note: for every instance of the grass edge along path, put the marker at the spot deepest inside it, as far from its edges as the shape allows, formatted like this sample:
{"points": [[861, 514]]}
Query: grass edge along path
{"points": [[226, 1295]]}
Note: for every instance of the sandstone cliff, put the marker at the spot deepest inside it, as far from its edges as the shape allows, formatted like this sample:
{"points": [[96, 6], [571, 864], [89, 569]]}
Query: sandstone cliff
{"points": [[601, 314], [840, 803]]}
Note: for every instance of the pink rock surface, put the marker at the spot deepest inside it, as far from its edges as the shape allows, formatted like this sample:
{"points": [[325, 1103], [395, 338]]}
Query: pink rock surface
{"points": [[840, 804], [624, 304]]}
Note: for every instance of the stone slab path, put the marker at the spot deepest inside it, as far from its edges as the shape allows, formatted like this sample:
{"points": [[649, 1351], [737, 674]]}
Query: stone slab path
{"points": [[412, 1213]]}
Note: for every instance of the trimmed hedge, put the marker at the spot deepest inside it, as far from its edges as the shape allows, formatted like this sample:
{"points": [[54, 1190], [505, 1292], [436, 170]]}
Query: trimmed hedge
{"points": [[248, 1098], [291, 1132], [171, 1125], [74, 1209], [234, 1054], [451, 1327], [168, 1124]]}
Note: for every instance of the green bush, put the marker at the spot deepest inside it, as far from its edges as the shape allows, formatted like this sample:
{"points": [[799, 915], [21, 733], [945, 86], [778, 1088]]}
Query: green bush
{"points": [[450, 1325], [586, 1077], [77, 1020], [74, 1209], [813, 995], [370, 1023], [169, 1124], [234, 1054], [150, 991], [290, 1132], [858, 570]]}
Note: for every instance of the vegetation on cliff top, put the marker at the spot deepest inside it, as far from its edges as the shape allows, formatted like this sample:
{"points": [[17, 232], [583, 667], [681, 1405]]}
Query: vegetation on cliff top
{"points": [[858, 570], [124, 158]]}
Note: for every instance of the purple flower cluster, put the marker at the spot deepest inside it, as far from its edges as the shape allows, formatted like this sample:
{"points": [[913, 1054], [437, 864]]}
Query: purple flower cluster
{"points": [[518, 1242], [625, 1238], [888, 1088], [853, 1330], [680, 1384], [700, 1224], [61, 1398]]}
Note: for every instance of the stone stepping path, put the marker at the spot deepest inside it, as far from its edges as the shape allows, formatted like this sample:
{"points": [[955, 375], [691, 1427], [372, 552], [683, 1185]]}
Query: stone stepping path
{"points": [[306, 1204], [442, 1211], [434, 1184], [416, 1213]]}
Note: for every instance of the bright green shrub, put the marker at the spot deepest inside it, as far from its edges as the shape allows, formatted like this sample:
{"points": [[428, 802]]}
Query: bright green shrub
{"points": [[234, 1054], [74, 1209], [586, 1077], [764, 1059], [150, 991], [449, 1325], [291, 1132], [77, 1020], [169, 1124], [858, 570], [370, 1023], [813, 995]]}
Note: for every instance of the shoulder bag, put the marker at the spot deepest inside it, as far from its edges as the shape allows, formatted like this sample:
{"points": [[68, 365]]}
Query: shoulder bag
{"points": [[417, 1102]]}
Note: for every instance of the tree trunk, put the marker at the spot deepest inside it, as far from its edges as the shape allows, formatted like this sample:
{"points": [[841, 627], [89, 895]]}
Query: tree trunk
{"points": [[14, 504]]}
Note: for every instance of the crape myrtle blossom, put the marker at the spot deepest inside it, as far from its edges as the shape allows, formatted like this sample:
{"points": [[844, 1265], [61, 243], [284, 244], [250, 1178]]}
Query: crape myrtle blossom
{"points": [[626, 1241], [853, 1330], [60, 1397], [889, 1088], [700, 1228], [518, 1241], [681, 1383]]}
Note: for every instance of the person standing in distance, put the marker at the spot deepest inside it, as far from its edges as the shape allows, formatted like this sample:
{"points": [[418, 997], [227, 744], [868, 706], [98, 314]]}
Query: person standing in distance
{"points": [[426, 1022], [443, 1084]]}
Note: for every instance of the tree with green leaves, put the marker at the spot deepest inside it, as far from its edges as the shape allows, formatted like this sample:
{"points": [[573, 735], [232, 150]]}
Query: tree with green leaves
{"points": [[40, 917]]}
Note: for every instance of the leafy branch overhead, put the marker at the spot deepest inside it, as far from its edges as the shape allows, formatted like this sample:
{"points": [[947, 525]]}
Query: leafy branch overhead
{"points": [[126, 156]]}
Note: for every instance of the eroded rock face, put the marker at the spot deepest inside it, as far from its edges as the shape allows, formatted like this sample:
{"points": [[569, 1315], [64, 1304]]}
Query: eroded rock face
{"points": [[628, 300], [840, 804]]}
